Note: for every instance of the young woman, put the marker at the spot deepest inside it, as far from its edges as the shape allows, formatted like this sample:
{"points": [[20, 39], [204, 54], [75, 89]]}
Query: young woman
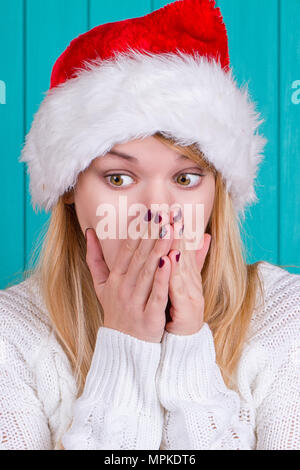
{"points": [[138, 342]]}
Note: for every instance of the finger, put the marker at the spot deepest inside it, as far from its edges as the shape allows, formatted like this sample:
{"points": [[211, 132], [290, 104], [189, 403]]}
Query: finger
{"points": [[184, 280], [145, 276], [94, 258], [177, 260], [158, 298], [201, 254], [174, 256], [176, 215], [127, 250], [178, 226], [143, 264]]}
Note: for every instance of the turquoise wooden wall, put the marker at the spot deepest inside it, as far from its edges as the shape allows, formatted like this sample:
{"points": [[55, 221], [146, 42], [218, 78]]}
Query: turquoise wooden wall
{"points": [[264, 43]]}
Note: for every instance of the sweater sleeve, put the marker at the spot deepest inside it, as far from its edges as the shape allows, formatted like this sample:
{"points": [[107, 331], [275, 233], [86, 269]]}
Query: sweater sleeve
{"points": [[201, 412], [119, 407]]}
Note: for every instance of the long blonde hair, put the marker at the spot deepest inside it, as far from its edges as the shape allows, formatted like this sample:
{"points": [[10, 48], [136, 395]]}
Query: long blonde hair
{"points": [[229, 284]]}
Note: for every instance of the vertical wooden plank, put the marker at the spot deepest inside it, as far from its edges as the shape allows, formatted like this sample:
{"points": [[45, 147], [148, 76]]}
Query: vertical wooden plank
{"points": [[253, 49], [290, 135], [50, 27], [11, 137]]}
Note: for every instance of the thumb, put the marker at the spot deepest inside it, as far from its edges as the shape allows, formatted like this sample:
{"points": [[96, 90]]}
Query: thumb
{"points": [[94, 258], [201, 254]]}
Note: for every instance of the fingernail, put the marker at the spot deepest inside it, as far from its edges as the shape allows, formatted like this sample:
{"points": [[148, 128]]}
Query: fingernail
{"points": [[161, 262], [181, 231], [178, 256], [148, 216], [157, 218], [162, 232], [178, 216], [86, 231]]}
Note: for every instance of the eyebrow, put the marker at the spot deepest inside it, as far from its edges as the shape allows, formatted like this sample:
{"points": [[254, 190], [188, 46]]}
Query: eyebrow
{"points": [[131, 158]]}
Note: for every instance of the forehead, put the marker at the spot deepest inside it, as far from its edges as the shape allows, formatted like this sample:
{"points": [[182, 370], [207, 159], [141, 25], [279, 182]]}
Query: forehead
{"points": [[134, 159]]}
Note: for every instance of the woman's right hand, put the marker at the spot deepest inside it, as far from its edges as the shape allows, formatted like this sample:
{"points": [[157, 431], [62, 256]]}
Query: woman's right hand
{"points": [[134, 294]]}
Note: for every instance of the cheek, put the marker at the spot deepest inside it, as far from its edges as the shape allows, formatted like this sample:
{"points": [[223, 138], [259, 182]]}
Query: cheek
{"points": [[208, 198], [86, 212], [208, 203], [89, 194]]}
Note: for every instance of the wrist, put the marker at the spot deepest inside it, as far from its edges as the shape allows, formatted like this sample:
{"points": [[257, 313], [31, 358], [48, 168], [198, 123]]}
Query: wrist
{"points": [[122, 371], [183, 330], [186, 366]]}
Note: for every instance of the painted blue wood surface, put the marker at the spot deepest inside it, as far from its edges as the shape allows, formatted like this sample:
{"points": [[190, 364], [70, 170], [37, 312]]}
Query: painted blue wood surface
{"points": [[264, 46]]}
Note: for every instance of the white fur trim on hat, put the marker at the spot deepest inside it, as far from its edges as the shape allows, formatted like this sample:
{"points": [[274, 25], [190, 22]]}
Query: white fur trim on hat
{"points": [[191, 99]]}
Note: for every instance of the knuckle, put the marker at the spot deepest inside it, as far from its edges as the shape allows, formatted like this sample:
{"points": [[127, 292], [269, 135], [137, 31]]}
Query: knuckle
{"points": [[139, 256], [160, 250], [129, 246], [146, 272], [113, 277], [180, 289], [157, 251], [159, 296]]}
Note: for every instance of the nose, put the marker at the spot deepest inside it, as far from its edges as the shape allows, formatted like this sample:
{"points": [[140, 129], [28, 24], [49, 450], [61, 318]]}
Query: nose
{"points": [[158, 198]]}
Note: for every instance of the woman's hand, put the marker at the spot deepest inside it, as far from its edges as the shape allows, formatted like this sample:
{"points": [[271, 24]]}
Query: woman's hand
{"points": [[185, 289], [134, 294]]}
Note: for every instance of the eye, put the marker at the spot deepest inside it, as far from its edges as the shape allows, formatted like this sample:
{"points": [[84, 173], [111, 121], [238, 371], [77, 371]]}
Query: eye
{"points": [[117, 179], [186, 180]]}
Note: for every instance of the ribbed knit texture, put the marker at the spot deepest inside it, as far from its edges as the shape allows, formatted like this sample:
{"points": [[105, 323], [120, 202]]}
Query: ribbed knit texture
{"points": [[119, 408], [142, 395]]}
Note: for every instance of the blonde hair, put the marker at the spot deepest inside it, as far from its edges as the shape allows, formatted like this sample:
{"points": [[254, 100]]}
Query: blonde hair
{"points": [[229, 284]]}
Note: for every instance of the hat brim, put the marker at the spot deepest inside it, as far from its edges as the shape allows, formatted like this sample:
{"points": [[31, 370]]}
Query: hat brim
{"points": [[134, 95]]}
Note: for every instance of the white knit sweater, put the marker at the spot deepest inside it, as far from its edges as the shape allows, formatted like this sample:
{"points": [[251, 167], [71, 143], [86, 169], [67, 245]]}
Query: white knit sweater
{"points": [[142, 395]]}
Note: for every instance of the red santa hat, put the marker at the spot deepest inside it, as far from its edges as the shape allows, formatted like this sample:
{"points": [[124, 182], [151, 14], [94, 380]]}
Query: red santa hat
{"points": [[167, 71]]}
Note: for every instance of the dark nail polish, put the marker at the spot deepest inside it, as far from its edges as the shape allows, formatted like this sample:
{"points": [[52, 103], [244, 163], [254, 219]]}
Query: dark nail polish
{"points": [[178, 256], [148, 216], [157, 218], [161, 262]]}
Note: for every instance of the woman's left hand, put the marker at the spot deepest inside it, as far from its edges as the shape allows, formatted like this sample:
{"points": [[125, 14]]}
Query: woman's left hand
{"points": [[185, 286]]}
